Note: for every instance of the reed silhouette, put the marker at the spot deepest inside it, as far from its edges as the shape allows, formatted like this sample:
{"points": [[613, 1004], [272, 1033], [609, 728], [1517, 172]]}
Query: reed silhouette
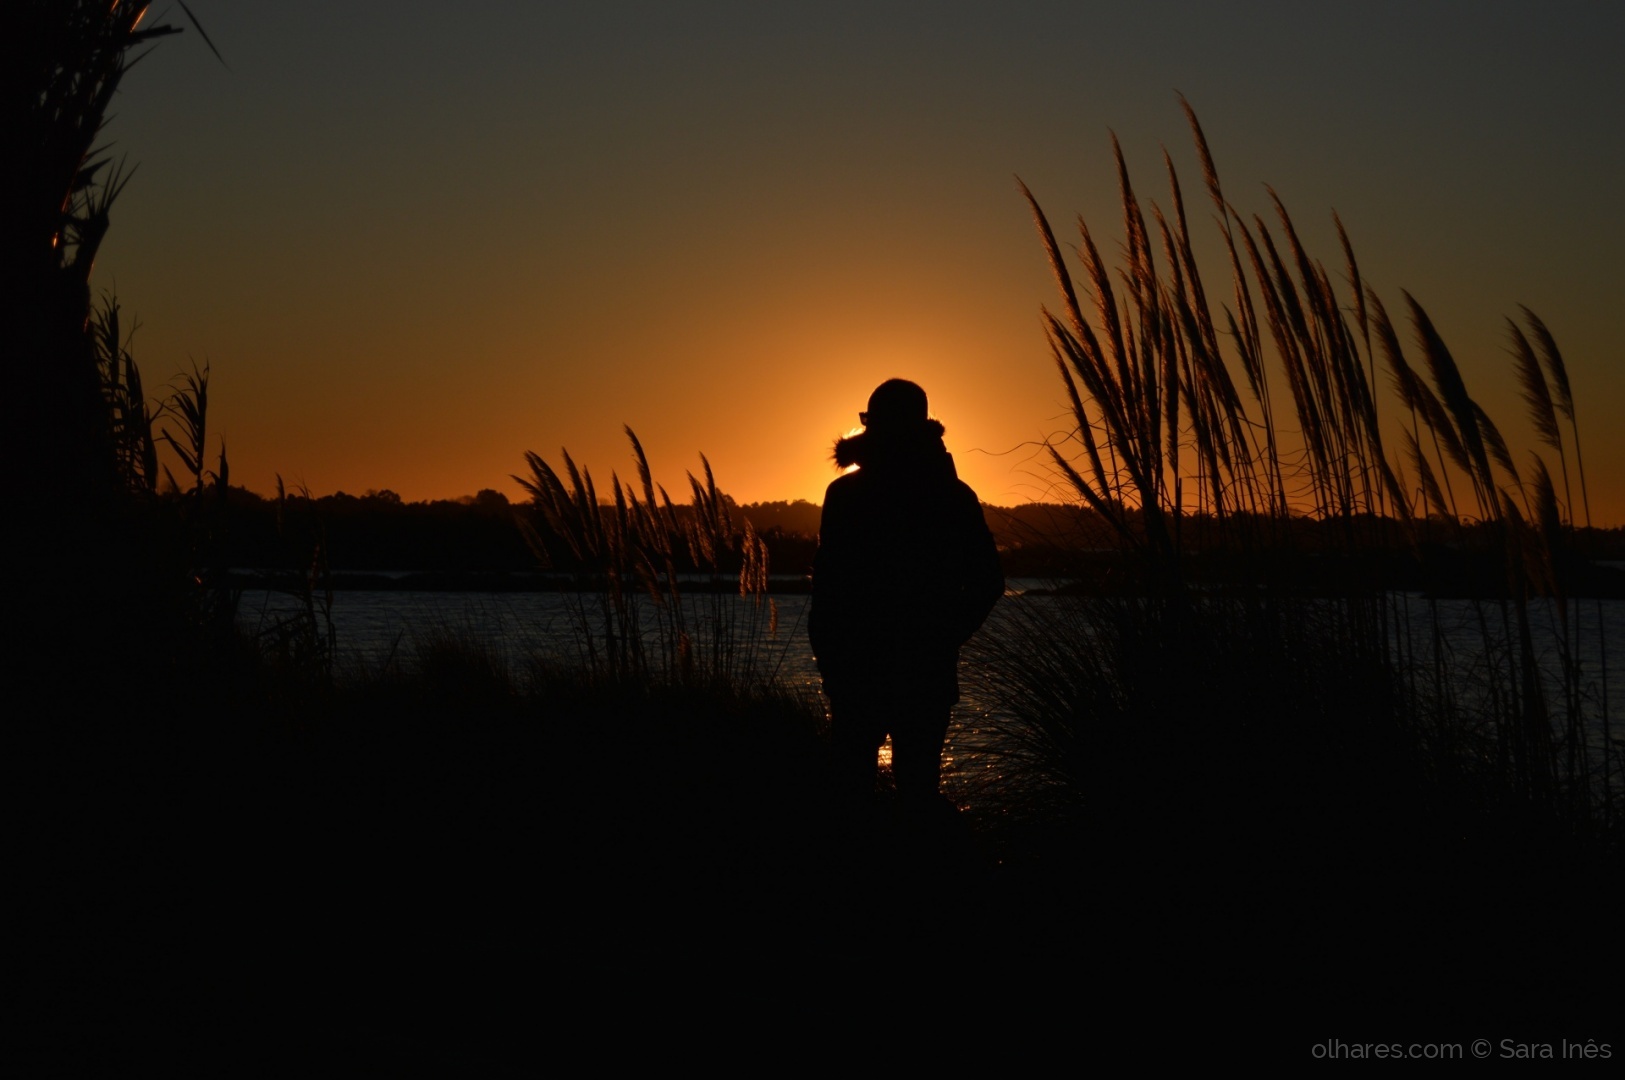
{"points": [[1176, 463], [1298, 751], [635, 616]]}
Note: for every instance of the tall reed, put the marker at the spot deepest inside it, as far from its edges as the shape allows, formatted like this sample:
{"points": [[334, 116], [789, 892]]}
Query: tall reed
{"points": [[1206, 435], [65, 183], [635, 617], [109, 573]]}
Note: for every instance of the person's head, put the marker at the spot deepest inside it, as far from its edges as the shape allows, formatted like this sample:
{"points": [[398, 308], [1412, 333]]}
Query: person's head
{"points": [[896, 405], [897, 427]]}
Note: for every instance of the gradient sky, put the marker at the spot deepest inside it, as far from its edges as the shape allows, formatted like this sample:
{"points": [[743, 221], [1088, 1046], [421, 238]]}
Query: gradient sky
{"points": [[415, 241]]}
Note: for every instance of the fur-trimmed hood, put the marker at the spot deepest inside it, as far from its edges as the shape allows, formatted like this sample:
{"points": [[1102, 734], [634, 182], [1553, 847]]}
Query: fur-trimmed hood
{"points": [[919, 448]]}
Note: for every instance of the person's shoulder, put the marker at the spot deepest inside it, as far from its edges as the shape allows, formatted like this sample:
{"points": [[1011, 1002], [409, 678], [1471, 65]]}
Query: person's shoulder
{"points": [[842, 484], [968, 507], [965, 492], [846, 483], [843, 489]]}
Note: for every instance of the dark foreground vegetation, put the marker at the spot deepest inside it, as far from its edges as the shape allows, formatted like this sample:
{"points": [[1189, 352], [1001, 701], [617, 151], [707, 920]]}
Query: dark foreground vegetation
{"points": [[1227, 810]]}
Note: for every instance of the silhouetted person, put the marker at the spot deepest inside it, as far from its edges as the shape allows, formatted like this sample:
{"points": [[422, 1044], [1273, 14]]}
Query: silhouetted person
{"points": [[906, 571]]}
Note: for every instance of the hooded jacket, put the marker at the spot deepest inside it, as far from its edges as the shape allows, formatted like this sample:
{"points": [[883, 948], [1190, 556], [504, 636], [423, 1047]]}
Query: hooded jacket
{"points": [[906, 570]]}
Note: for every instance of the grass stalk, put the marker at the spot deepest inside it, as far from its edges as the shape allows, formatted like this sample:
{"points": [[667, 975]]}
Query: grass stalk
{"points": [[1159, 422]]}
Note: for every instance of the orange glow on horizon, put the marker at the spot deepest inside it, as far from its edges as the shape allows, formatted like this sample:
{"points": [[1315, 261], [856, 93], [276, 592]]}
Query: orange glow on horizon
{"points": [[728, 245]]}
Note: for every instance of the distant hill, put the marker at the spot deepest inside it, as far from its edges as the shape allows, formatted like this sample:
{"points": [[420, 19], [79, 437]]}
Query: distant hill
{"points": [[799, 518], [479, 537]]}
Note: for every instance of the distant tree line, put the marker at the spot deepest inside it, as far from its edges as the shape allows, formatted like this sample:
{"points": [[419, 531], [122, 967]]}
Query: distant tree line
{"points": [[480, 536]]}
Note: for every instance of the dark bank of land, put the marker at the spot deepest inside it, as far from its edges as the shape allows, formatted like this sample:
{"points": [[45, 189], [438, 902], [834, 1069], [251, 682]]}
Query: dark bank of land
{"points": [[377, 541]]}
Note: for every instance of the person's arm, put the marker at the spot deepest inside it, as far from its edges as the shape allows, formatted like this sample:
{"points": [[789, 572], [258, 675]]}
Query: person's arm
{"points": [[827, 579], [982, 583]]}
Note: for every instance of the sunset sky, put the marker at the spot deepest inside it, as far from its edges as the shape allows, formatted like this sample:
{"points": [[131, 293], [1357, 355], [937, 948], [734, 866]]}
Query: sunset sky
{"points": [[415, 241]]}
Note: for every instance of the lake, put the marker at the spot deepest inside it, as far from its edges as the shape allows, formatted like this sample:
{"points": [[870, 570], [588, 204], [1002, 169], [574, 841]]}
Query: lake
{"points": [[377, 629]]}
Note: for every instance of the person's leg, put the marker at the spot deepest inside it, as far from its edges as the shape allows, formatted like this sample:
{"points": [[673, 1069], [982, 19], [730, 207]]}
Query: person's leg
{"points": [[856, 733], [917, 735]]}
